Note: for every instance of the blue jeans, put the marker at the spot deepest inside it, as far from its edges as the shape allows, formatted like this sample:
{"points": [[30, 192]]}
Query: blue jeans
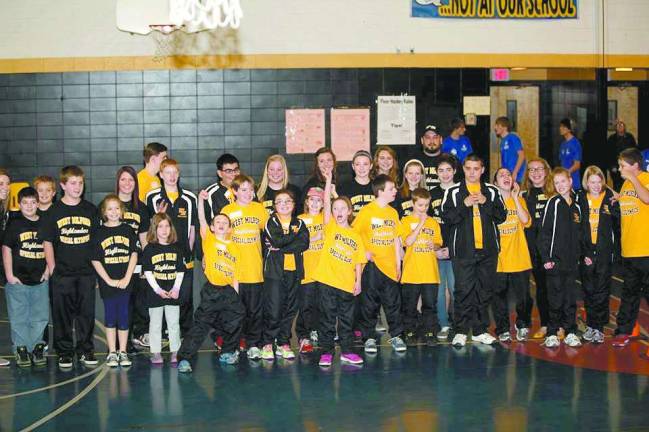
{"points": [[447, 281], [29, 313]]}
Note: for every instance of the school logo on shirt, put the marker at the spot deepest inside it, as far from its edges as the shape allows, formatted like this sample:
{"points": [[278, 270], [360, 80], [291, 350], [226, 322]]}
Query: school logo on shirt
{"points": [[576, 218], [74, 229], [182, 213], [30, 246], [463, 148]]}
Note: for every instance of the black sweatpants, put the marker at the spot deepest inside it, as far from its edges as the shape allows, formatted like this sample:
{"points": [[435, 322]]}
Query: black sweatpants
{"points": [[410, 297], [279, 308], [187, 302], [636, 285], [73, 307], [335, 304], [379, 290], [519, 284], [139, 312], [475, 279], [562, 300], [541, 289], [596, 282], [221, 308], [308, 304], [251, 295]]}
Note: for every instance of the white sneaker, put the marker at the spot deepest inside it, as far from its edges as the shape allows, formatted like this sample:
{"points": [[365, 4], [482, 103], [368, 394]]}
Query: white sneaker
{"points": [[443, 333], [112, 360], [124, 361], [484, 338], [254, 353], [505, 337], [598, 337], [551, 341], [522, 334], [588, 334], [572, 340], [459, 340]]}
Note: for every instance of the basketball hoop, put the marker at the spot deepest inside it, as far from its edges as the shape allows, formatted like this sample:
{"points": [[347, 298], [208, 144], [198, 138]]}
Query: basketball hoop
{"points": [[199, 15], [162, 34]]}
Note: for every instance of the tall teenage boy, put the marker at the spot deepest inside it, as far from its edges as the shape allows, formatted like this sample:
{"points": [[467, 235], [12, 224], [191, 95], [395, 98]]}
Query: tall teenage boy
{"points": [[220, 194], [154, 153]]}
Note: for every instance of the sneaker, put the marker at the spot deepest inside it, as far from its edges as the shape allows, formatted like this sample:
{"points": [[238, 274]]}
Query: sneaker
{"points": [[598, 337], [123, 359], [229, 358], [156, 358], [65, 361], [184, 366], [314, 337], [551, 342], [285, 352], [142, 340], [325, 360], [112, 360], [572, 340], [38, 355], [351, 358], [370, 346], [254, 353], [459, 340], [4, 362], [541, 333], [484, 338], [443, 333], [397, 344], [621, 340], [22, 357], [88, 359], [588, 334], [267, 352], [522, 334], [430, 339], [410, 339], [306, 346], [505, 337]]}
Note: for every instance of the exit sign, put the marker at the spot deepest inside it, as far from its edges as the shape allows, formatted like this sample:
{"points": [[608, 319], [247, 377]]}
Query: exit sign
{"points": [[501, 74]]}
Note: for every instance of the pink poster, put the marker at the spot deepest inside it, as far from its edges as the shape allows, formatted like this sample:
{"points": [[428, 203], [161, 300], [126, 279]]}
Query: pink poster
{"points": [[350, 132], [305, 132]]}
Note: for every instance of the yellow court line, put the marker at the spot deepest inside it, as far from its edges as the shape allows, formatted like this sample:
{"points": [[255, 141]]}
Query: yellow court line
{"points": [[74, 400], [60, 384]]}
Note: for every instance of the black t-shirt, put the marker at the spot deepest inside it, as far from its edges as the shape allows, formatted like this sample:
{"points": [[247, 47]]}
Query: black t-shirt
{"points": [[137, 218], [113, 247], [430, 167], [360, 195], [28, 258], [269, 199], [70, 229], [164, 261], [402, 205]]}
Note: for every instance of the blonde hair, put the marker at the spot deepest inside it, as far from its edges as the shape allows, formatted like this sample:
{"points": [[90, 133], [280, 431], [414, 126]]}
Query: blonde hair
{"points": [[70, 171], [263, 184], [593, 170], [103, 205], [394, 171], [557, 172], [152, 235], [404, 190], [548, 186], [348, 202]]}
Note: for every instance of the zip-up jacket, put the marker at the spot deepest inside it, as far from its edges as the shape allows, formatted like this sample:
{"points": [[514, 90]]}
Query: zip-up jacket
{"points": [[536, 201], [560, 237], [436, 198], [295, 241], [608, 244], [459, 218], [218, 197]]}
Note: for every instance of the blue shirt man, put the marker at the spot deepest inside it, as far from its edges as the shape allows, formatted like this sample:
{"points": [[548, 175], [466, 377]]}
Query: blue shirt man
{"points": [[512, 155], [570, 153], [457, 143]]}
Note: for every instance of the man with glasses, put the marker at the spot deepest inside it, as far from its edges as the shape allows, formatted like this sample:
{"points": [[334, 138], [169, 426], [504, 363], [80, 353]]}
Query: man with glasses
{"points": [[220, 193]]}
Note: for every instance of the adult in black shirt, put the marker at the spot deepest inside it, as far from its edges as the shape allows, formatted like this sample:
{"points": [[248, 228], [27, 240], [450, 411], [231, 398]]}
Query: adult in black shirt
{"points": [[616, 143], [428, 154], [276, 178], [359, 189]]}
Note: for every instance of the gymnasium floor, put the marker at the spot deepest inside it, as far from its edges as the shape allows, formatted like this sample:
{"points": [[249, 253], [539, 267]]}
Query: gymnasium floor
{"points": [[502, 388]]}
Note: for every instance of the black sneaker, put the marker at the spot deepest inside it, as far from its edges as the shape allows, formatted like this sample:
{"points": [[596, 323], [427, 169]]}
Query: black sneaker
{"points": [[88, 359], [38, 355], [410, 339], [65, 361], [22, 357], [431, 339]]}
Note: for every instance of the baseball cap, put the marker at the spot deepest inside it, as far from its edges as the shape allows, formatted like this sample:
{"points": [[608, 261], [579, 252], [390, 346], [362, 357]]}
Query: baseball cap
{"points": [[430, 128], [316, 192]]}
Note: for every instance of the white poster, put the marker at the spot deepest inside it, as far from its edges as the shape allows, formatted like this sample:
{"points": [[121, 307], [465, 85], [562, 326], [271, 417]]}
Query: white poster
{"points": [[396, 120]]}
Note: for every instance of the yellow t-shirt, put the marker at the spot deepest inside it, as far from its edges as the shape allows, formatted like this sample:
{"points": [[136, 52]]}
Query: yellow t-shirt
{"points": [[146, 183], [514, 255], [289, 259], [247, 223], [342, 250], [420, 262], [379, 228], [311, 256], [477, 222], [221, 258], [173, 196], [634, 220], [593, 207]]}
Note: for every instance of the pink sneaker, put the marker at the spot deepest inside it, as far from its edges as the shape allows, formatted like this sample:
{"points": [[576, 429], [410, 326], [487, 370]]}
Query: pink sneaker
{"points": [[325, 360], [174, 357], [351, 358], [156, 358]]}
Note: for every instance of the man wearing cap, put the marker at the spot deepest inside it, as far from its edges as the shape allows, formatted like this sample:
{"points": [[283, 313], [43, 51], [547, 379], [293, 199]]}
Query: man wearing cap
{"points": [[429, 153], [457, 143]]}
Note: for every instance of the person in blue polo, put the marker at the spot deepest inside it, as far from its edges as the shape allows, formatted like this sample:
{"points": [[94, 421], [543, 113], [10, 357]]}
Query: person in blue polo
{"points": [[645, 160], [512, 155], [570, 152], [457, 143]]}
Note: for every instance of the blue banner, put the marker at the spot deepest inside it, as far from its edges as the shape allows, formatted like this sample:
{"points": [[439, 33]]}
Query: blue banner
{"points": [[495, 9]]}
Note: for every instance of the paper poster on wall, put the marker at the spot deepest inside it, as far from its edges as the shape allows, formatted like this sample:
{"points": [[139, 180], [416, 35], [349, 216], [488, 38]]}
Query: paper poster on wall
{"points": [[350, 132], [305, 132], [478, 105], [396, 120]]}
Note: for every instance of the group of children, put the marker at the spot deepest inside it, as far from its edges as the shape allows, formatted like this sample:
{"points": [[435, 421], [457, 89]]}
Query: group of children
{"points": [[353, 250]]}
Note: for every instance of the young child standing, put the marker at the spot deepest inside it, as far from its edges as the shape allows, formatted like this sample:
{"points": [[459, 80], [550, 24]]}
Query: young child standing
{"points": [[559, 245], [378, 225], [114, 258], [46, 188], [220, 304], [285, 237], [422, 236], [67, 233], [359, 189], [164, 269], [27, 282], [338, 276]]}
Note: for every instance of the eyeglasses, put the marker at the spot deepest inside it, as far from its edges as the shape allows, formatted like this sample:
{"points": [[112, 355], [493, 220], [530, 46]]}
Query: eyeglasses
{"points": [[231, 171], [533, 170], [282, 202]]}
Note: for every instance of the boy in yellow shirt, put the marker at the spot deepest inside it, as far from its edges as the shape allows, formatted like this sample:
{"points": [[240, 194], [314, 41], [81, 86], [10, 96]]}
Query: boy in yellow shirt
{"points": [[248, 219], [422, 237], [147, 179], [378, 225]]}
